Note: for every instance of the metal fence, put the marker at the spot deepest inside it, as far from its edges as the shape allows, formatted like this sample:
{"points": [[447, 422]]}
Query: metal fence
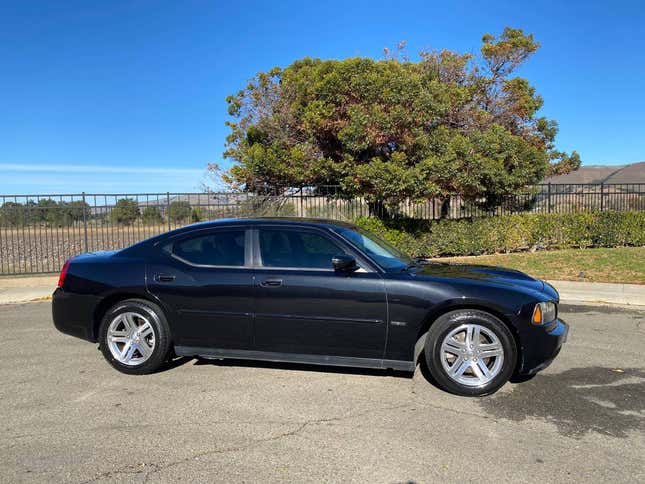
{"points": [[39, 232]]}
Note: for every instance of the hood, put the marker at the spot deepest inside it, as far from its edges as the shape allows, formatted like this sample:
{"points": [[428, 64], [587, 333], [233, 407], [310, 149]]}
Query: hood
{"points": [[479, 273]]}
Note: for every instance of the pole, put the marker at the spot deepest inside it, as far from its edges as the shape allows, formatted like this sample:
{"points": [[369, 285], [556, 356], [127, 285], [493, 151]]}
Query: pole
{"points": [[549, 196], [85, 221], [168, 208]]}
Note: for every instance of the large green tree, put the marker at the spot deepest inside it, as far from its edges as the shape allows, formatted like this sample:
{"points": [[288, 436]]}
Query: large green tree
{"points": [[393, 129]]}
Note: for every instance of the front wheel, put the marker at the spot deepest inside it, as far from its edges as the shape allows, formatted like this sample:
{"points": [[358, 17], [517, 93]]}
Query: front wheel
{"points": [[134, 337], [470, 352]]}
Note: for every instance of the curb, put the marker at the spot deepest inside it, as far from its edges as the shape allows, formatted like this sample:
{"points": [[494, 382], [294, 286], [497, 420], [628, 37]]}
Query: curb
{"points": [[19, 289], [13, 295], [600, 293]]}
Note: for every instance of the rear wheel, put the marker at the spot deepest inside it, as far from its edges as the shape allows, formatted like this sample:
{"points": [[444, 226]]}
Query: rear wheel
{"points": [[134, 337], [470, 352]]}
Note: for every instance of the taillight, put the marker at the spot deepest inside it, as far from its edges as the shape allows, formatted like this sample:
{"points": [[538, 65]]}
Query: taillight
{"points": [[63, 273]]}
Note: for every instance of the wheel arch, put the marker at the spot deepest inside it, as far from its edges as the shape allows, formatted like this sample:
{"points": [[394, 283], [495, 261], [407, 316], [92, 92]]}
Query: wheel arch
{"points": [[456, 306], [109, 301]]}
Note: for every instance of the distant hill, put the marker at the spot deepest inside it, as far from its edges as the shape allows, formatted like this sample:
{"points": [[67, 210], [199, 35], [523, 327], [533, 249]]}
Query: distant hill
{"points": [[633, 173]]}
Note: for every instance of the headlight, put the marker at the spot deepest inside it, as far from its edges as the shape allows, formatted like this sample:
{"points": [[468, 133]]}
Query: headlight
{"points": [[544, 312]]}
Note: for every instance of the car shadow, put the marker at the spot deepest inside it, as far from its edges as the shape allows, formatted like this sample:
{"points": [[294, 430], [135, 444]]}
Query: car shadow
{"points": [[609, 401], [230, 362], [174, 363], [346, 370]]}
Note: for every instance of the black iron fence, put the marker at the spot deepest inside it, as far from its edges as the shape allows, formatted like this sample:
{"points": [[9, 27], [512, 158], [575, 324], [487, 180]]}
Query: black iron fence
{"points": [[39, 232]]}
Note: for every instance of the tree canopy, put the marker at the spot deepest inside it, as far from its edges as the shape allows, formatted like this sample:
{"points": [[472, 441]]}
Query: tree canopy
{"points": [[179, 211], [125, 212], [45, 211], [151, 216], [393, 129]]}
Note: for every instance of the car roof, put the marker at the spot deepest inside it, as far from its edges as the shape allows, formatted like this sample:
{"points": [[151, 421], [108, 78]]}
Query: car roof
{"points": [[295, 221], [309, 222]]}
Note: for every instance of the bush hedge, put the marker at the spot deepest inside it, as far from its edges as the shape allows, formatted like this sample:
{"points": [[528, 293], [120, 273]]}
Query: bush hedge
{"points": [[511, 233]]}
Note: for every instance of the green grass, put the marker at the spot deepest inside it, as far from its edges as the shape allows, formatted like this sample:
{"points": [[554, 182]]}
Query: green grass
{"points": [[623, 264]]}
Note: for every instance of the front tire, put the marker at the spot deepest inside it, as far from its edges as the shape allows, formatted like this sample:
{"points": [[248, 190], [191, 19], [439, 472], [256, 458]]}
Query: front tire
{"points": [[470, 352], [134, 337]]}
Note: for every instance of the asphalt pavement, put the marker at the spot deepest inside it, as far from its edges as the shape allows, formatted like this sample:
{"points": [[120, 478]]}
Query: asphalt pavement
{"points": [[68, 416]]}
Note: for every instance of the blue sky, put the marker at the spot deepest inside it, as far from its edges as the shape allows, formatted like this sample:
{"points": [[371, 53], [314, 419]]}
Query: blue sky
{"points": [[121, 96]]}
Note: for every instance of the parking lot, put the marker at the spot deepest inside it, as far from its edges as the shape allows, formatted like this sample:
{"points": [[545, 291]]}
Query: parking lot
{"points": [[68, 416]]}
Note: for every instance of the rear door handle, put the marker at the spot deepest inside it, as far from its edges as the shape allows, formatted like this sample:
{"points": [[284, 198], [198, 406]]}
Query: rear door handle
{"points": [[271, 283], [164, 277]]}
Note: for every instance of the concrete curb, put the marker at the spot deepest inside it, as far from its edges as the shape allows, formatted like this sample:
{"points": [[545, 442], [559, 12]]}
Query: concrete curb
{"points": [[600, 292], [11, 295], [19, 289]]}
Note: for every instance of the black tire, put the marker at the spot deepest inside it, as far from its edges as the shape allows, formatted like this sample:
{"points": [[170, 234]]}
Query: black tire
{"points": [[162, 340], [442, 328]]}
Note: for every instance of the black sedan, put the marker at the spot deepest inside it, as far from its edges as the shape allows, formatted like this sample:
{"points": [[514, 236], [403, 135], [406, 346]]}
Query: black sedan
{"points": [[307, 291]]}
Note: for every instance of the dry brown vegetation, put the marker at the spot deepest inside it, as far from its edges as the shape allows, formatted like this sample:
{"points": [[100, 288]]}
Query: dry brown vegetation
{"points": [[34, 249]]}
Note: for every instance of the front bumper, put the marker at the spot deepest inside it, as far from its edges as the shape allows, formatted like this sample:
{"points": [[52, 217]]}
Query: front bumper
{"points": [[541, 344]]}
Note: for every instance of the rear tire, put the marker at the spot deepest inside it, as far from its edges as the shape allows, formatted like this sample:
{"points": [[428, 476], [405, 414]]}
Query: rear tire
{"points": [[470, 352], [134, 337]]}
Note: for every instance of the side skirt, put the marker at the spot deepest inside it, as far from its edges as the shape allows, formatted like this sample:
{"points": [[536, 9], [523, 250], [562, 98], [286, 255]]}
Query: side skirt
{"points": [[295, 358]]}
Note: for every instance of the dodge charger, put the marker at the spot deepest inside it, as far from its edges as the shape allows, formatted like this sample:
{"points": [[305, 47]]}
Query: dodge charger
{"points": [[307, 291]]}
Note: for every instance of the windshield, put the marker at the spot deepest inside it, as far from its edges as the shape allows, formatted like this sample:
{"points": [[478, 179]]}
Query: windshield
{"points": [[387, 256]]}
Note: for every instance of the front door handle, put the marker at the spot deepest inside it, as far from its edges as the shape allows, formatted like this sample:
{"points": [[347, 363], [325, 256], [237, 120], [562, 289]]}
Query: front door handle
{"points": [[271, 282], [164, 277]]}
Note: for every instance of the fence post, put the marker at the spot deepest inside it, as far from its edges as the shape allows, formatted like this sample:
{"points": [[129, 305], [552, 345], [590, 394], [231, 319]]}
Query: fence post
{"points": [[168, 208], [549, 196], [602, 196], [85, 222]]}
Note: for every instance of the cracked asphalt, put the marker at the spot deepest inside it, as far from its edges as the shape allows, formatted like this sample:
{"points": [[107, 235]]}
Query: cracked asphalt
{"points": [[67, 416]]}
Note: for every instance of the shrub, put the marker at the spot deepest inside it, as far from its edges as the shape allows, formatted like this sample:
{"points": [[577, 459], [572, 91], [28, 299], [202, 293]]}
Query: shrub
{"points": [[511, 233], [179, 211], [12, 213], [198, 214], [261, 206], [46, 212], [125, 211], [336, 209], [66, 213], [151, 216]]}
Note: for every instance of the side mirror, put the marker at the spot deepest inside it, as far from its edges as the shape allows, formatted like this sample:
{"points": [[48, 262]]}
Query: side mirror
{"points": [[344, 263]]}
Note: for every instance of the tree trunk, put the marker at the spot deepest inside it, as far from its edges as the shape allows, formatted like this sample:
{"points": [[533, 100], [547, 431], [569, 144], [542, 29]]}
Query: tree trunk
{"points": [[378, 209], [445, 208]]}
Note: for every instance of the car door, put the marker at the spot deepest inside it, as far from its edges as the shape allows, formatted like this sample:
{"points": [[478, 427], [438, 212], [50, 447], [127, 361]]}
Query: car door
{"points": [[304, 307], [205, 278]]}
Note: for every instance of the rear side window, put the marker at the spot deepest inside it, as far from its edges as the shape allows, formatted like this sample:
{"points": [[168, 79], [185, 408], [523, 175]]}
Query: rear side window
{"points": [[288, 248], [221, 248]]}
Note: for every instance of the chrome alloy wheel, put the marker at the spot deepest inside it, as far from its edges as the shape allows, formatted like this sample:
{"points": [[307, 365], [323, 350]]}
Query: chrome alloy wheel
{"points": [[130, 338], [472, 355]]}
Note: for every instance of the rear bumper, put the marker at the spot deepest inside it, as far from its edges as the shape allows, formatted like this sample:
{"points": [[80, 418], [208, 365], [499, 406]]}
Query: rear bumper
{"points": [[541, 345], [73, 314]]}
